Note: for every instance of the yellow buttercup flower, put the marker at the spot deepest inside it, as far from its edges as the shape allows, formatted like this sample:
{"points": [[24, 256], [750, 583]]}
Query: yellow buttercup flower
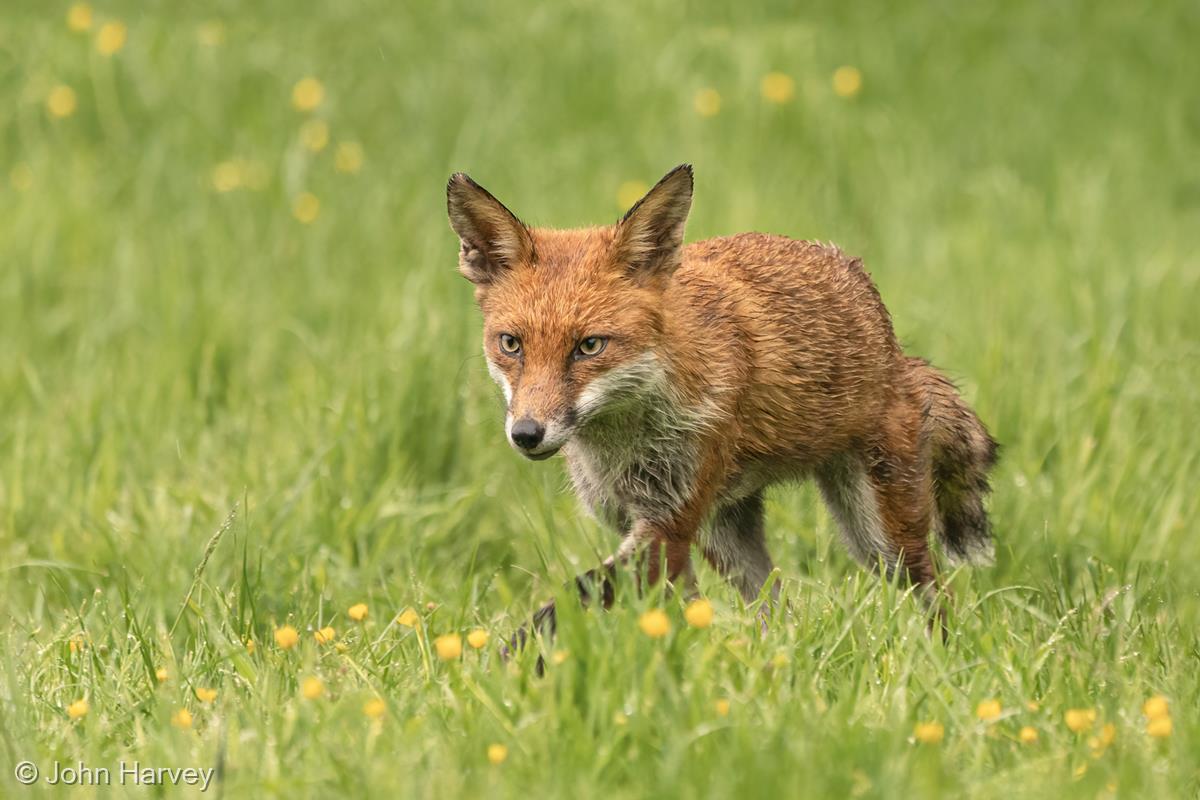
{"points": [[1159, 727], [78, 709], [357, 612], [375, 708], [161, 674], [721, 707], [408, 618], [182, 719], [1028, 735], [655, 623], [61, 101], [306, 209], [312, 688], [629, 193], [448, 647], [1080, 719], [1158, 717], [348, 157], [1098, 744], [79, 17], [560, 656], [847, 81], [325, 635], [211, 33], [205, 695], [20, 177], [477, 638], [929, 732], [496, 753], [699, 613], [988, 710], [860, 783], [251, 646], [111, 38], [227, 176], [707, 102], [778, 88], [286, 637], [314, 135], [1157, 706], [307, 94]]}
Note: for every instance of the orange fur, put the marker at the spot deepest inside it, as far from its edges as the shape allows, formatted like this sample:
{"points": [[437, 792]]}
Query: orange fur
{"points": [[728, 365]]}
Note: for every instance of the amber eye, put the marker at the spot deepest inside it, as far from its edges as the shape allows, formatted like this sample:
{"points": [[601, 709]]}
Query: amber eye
{"points": [[591, 346], [510, 344]]}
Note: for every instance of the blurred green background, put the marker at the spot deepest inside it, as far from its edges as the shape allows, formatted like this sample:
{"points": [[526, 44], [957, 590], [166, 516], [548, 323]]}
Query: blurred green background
{"points": [[226, 279]]}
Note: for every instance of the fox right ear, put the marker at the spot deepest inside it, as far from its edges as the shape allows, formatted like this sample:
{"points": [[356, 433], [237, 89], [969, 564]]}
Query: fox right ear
{"points": [[493, 239], [649, 239]]}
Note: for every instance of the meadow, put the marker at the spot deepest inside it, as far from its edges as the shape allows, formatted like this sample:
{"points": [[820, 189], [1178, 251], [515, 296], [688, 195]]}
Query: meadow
{"points": [[256, 507]]}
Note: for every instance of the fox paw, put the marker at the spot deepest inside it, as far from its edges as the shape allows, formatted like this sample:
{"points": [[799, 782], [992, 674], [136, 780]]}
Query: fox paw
{"points": [[545, 621]]}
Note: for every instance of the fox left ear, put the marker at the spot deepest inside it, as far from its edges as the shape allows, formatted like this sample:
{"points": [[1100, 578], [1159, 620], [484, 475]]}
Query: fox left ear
{"points": [[492, 237], [650, 236]]}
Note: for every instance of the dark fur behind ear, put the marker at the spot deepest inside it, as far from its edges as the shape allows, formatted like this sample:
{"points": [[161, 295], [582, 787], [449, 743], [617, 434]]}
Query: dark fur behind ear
{"points": [[650, 235], [492, 237]]}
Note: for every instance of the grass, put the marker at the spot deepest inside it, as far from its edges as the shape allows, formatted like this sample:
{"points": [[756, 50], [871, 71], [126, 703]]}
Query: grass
{"points": [[1021, 179]]}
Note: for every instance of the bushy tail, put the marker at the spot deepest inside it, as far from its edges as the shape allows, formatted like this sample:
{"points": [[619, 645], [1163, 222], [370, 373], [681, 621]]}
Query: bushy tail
{"points": [[962, 453]]}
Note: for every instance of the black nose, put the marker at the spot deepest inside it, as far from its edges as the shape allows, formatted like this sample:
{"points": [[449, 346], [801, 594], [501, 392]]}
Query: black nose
{"points": [[527, 433]]}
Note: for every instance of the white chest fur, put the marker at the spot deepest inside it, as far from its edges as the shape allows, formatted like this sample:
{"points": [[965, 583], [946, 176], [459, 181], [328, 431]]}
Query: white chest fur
{"points": [[638, 462]]}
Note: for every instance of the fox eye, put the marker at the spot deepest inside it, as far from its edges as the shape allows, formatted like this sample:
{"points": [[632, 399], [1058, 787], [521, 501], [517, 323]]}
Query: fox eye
{"points": [[591, 346], [509, 344]]}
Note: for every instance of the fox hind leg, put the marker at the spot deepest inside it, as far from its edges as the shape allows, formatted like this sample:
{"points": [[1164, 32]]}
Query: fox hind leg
{"points": [[884, 503], [735, 544], [850, 495], [884, 509]]}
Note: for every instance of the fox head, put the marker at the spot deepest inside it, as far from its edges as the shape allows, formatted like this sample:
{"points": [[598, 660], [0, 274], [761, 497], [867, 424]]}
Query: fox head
{"points": [[572, 318]]}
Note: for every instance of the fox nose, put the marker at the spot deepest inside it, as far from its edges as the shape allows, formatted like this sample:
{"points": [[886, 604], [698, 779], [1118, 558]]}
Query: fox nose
{"points": [[527, 433]]}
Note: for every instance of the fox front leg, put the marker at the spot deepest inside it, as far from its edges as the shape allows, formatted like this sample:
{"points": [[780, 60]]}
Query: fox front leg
{"points": [[654, 547], [595, 584], [645, 549]]}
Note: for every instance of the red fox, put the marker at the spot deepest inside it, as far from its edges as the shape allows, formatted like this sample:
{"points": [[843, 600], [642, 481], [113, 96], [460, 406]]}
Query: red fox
{"points": [[680, 381]]}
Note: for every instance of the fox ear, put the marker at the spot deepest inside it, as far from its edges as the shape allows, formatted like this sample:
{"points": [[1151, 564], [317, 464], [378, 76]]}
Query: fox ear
{"points": [[493, 239], [650, 235]]}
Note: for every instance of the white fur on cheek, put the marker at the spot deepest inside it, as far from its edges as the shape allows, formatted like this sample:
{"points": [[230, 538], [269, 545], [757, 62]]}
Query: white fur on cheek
{"points": [[501, 380], [628, 379]]}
